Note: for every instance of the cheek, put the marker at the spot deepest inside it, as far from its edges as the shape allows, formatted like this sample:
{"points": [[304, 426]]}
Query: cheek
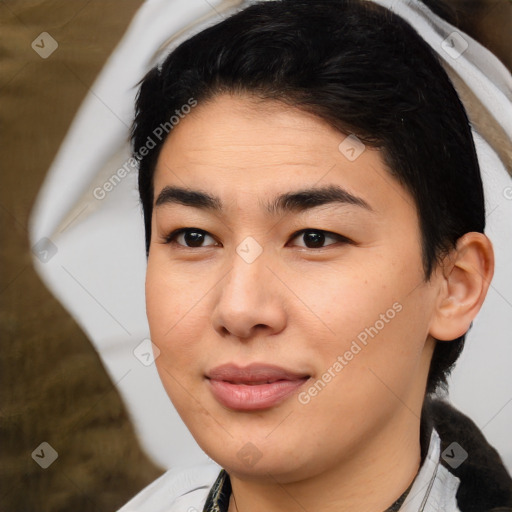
{"points": [[376, 312], [174, 307], [176, 326], [349, 299]]}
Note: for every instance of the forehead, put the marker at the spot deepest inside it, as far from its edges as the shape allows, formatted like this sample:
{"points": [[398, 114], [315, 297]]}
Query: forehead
{"points": [[243, 148]]}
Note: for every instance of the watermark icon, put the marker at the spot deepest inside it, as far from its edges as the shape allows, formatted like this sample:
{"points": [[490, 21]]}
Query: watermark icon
{"points": [[356, 346], [146, 352], [44, 250], [249, 454], [507, 193], [351, 147], [249, 249], [132, 164], [454, 455], [44, 45], [45, 455], [454, 45]]}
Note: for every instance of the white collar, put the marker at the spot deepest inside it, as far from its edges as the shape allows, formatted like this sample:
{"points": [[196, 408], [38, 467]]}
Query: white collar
{"points": [[434, 488]]}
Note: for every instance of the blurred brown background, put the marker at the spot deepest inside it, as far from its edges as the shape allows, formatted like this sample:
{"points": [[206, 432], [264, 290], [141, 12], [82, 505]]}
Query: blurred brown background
{"points": [[53, 386]]}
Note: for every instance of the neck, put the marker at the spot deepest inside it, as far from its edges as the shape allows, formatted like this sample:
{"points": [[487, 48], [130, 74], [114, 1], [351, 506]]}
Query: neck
{"points": [[370, 480]]}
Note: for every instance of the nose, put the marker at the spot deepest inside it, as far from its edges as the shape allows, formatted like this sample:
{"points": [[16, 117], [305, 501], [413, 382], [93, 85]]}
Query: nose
{"points": [[250, 301]]}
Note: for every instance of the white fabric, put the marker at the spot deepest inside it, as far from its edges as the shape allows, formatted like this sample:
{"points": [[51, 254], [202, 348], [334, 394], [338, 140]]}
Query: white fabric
{"points": [[98, 270], [186, 489], [178, 490]]}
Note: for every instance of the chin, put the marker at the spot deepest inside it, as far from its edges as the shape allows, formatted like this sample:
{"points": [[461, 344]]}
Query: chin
{"points": [[258, 460]]}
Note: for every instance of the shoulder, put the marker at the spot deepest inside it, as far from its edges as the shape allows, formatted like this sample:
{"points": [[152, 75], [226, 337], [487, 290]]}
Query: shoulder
{"points": [[181, 489]]}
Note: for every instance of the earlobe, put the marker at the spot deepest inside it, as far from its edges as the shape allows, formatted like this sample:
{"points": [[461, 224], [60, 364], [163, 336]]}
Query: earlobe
{"points": [[467, 273]]}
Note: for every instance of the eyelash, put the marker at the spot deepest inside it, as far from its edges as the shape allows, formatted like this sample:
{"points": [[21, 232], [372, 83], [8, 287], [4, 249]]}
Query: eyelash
{"points": [[171, 237]]}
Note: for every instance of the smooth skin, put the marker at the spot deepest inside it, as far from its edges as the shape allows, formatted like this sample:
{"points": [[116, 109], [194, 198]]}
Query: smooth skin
{"points": [[299, 305]]}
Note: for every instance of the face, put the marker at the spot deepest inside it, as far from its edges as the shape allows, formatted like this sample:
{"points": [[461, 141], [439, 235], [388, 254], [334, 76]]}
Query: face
{"points": [[277, 253]]}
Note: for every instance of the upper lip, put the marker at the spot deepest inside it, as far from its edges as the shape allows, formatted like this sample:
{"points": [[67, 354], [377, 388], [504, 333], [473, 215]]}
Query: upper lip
{"points": [[253, 373]]}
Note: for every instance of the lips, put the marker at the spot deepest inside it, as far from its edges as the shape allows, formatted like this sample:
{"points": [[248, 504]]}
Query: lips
{"points": [[254, 387]]}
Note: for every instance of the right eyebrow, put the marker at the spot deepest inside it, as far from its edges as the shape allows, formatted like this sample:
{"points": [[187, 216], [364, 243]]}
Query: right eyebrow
{"points": [[194, 198]]}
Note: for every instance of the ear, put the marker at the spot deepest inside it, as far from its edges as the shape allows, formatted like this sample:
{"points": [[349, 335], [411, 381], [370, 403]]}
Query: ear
{"points": [[466, 275]]}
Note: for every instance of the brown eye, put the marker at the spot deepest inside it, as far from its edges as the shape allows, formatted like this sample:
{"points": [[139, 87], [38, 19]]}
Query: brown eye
{"points": [[191, 237], [317, 239]]}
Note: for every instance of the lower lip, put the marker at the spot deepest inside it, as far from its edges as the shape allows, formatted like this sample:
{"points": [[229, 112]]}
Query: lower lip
{"points": [[243, 397]]}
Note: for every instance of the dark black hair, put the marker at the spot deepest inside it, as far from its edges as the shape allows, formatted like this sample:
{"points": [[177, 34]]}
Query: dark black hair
{"points": [[360, 68]]}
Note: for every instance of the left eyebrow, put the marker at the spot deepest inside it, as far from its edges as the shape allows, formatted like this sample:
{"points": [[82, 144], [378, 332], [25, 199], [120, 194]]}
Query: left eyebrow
{"points": [[302, 200]]}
